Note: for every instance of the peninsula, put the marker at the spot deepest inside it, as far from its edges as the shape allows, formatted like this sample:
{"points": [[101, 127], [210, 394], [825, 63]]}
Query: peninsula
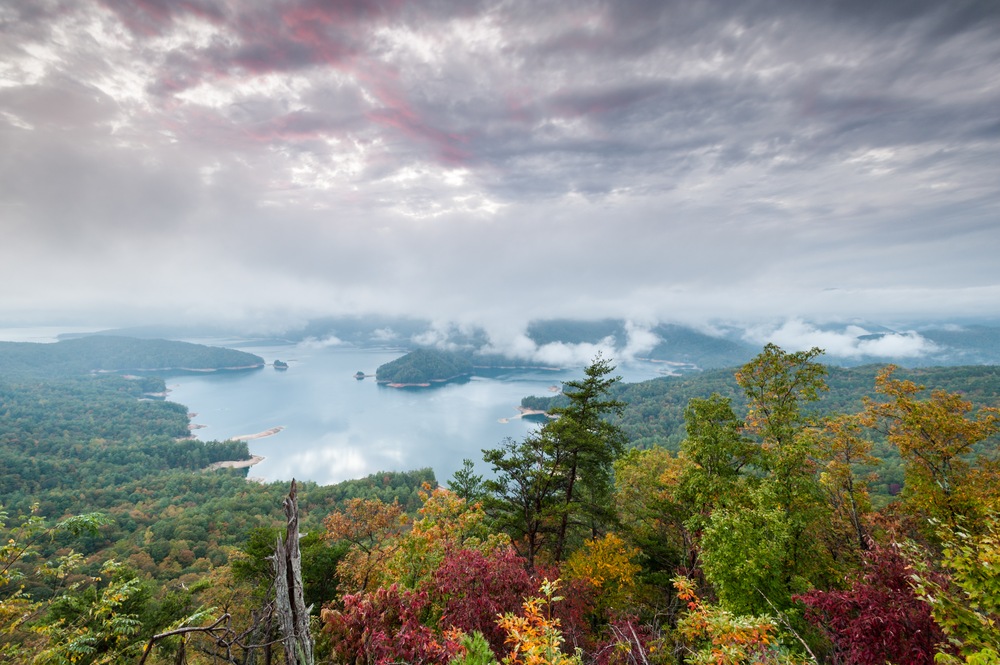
{"points": [[111, 354]]}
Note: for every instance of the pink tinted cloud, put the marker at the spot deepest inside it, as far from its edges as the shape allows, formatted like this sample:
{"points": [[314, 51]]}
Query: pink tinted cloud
{"points": [[275, 37], [289, 36], [397, 113], [152, 17], [448, 146], [309, 21], [306, 33]]}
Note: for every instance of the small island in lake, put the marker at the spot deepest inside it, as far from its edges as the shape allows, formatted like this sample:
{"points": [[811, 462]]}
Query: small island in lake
{"points": [[280, 364], [423, 367], [359, 375]]}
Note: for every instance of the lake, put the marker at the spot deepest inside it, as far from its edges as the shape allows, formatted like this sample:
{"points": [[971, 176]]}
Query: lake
{"points": [[337, 427]]}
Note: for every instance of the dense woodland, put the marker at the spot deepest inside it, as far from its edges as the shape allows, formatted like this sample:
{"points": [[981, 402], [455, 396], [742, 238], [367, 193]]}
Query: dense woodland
{"points": [[112, 353], [424, 366], [654, 412], [744, 519]]}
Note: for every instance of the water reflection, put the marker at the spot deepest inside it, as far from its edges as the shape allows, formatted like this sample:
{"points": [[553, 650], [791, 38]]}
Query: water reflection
{"points": [[336, 427]]}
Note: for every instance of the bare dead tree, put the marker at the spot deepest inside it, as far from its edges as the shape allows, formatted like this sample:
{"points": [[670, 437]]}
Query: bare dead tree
{"points": [[239, 647], [292, 613]]}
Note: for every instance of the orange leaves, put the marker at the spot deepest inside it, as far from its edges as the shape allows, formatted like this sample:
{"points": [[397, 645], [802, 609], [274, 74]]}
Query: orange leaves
{"points": [[365, 522], [386, 547], [372, 528], [713, 635], [534, 638]]}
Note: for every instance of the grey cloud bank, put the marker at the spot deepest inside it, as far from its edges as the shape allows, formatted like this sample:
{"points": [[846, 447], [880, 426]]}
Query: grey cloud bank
{"points": [[495, 163]]}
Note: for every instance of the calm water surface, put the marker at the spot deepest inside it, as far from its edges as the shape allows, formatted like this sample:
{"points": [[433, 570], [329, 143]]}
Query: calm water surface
{"points": [[336, 427]]}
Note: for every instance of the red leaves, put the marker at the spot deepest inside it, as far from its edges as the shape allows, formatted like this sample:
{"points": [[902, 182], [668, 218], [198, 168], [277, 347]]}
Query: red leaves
{"points": [[879, 619], [473, 588], [466, 593], [385, 627]]}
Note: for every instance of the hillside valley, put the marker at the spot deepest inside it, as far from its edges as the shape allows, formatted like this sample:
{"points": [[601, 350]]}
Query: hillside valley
{"points": [[82, 434], [571, 341]]}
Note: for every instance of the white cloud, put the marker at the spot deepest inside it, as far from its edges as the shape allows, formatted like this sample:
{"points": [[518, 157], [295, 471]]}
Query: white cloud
{"points": [[553, 354], [320, 343], [559, 354], [898, 345], [640, 340], [385, 335], [852, 341]]}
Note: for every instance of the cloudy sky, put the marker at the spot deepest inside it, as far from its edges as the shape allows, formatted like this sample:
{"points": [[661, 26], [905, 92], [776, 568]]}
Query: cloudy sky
{"points": [[496, 161]]}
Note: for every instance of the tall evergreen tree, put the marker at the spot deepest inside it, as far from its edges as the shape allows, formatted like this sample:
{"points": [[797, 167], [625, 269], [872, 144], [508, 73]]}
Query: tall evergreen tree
{"points": [[557, 484], [589, 444], [520, 498]]}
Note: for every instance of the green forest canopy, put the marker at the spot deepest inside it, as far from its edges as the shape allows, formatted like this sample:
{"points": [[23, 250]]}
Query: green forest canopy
{"points": [[84, 442], [424, 366], [107, 353]]}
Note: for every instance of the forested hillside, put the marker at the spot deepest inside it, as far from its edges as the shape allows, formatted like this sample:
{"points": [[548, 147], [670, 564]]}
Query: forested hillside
{"points": [[654, 410], [109, 353], [424, 366], [754, 539]]}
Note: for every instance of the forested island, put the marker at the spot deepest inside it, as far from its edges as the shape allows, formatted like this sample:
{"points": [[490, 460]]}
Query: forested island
{"points": [[599, 539], [424, 367]]}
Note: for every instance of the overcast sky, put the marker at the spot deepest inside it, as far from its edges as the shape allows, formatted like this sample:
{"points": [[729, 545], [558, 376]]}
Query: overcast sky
{"points": [[499, 161]]}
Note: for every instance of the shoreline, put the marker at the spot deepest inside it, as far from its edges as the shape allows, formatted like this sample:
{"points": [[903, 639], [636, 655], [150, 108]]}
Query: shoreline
{"points": [[258, 435], [236, 464], [524, 412], [422, 384]]}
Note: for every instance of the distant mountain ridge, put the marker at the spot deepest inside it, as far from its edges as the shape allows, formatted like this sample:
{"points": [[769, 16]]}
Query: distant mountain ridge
{"points": [[860, 342]]}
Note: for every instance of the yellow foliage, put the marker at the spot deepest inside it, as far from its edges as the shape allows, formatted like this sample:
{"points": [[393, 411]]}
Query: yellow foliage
{"points": [[936, 437], [608, 564]]}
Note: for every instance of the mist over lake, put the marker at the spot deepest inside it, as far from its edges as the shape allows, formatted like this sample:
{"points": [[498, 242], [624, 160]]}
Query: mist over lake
{"points": [[337, 427]]}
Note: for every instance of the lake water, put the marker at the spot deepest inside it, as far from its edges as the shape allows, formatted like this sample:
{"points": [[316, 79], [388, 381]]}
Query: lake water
{"points": [[337, 427]]}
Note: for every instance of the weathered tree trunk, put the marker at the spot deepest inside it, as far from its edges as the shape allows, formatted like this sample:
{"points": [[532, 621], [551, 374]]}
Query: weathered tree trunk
{"points": [[291, 610]]}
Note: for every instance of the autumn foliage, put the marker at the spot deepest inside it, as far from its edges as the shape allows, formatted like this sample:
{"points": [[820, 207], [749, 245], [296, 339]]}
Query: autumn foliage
{"points": [[755, 540], [763, 521], [533, 637], [879, 618], [473, 589], [387, 626], [712, 635]]}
